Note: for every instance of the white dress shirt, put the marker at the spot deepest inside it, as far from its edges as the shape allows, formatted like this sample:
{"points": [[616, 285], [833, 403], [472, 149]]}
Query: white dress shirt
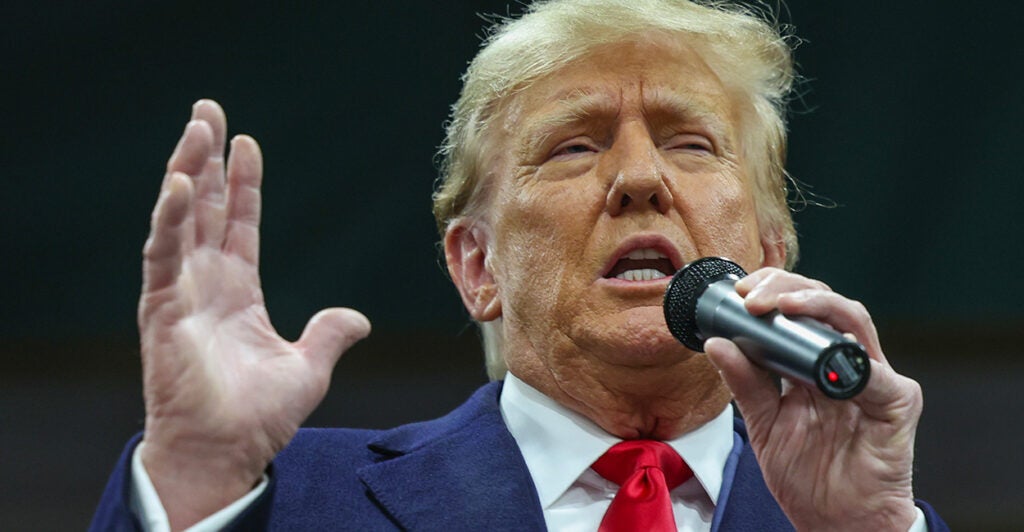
{"points": [[559, 446]]}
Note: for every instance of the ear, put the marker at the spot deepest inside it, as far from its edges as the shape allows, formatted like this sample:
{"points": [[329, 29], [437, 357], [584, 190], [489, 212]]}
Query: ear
{"points": [[466, 250], [773, 250]]}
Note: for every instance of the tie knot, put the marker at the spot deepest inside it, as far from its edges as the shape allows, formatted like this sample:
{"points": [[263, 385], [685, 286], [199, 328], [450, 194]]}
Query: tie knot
{"points": [[624, 459]]}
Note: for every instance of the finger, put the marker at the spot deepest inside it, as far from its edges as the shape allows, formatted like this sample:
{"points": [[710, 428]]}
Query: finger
{"points": [[330, 333], [844, 315], [754, 278], [169, 236], [245, 175], [891, 397], [211, 112], [753, 387], [762, 296], [192, 151], [209, 181]]}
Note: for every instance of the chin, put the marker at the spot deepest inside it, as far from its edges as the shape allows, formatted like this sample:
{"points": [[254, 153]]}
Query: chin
{"points": [[639, 336]]}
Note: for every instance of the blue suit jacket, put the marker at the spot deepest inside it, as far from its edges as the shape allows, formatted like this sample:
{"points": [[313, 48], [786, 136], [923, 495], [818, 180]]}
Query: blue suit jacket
{"points": [[459, 472]]}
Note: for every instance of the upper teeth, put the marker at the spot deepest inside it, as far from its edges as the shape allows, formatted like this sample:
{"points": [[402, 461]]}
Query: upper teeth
{"points": [[645, 274], [646, 253]]}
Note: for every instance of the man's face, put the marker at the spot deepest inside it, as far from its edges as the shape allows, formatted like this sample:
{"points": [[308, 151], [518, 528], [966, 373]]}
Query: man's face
{"points": [[608, 176]]}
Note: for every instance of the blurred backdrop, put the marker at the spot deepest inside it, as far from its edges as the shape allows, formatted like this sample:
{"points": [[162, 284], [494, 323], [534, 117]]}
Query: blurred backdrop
{"points": [[910, 121]]}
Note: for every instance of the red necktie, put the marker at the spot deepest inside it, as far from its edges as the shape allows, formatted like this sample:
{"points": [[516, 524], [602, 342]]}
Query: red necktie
{"points": [[645, 471]]}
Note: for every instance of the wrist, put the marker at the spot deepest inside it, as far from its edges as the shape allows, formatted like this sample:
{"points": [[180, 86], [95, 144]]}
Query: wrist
{"points": [[194, 482]]}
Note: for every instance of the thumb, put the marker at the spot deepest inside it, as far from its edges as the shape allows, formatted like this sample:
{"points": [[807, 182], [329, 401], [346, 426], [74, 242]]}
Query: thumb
{"points": [[331, 332], [753, 387]]}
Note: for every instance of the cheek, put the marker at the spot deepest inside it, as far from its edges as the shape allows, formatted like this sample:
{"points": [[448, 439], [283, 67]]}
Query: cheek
{"points": [[722, 222], [541, 233], [542, 217]]}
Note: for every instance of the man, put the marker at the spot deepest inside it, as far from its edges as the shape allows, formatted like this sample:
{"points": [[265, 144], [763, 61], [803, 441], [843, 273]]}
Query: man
{"points": [[598, 145]]}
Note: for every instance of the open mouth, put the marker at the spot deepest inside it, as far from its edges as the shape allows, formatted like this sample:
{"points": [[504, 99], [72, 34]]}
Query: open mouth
{"points": [[644, 264]]}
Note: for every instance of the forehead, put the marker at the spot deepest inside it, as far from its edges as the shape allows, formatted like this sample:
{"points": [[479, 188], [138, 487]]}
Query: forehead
{"points": [[660, 76]]}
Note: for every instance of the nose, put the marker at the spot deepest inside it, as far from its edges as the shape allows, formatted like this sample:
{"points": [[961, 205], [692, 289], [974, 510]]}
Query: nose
{"points": [[638, 178]]}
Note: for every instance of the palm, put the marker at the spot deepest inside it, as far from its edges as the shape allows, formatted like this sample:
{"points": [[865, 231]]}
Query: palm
{"points": [[224, 393], [213, 361]]}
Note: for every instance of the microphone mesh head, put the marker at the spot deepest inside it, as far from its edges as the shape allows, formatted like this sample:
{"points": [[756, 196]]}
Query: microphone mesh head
{"points": [[685, 289]]}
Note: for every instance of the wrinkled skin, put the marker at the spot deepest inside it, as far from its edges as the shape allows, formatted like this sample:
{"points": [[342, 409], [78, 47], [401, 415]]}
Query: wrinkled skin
{"points": [[633, 146], [636, 146], [832, 465], [224, 393]]}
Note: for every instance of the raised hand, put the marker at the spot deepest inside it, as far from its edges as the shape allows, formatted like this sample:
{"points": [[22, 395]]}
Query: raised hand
{"points": [[224, 393], [832, 465]]}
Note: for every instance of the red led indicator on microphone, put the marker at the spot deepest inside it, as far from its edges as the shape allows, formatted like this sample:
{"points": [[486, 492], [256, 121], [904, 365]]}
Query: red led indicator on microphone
{"points": [[833, 376]]}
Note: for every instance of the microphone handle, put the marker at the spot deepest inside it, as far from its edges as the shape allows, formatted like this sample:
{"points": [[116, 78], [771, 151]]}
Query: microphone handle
{"points": [[799, 348]]}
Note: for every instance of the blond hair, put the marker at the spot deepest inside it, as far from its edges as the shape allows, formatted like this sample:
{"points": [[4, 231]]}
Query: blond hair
{"points": [[747, 52]]}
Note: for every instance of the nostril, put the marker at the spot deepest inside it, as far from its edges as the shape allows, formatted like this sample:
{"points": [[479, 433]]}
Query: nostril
{"points": [[654, 200], [625, 200]]}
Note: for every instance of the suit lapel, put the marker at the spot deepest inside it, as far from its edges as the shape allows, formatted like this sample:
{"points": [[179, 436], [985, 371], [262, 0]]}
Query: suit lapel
{"points": [[462, 471], [745, 502], [465, 472]]}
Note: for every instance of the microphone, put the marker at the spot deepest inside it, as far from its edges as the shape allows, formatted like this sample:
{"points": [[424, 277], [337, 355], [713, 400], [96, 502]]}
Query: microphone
{"points": [[701, 302]]}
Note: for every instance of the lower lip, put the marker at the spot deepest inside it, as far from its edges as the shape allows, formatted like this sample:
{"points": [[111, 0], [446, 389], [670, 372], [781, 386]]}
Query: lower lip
{"points": [[661, 283]]}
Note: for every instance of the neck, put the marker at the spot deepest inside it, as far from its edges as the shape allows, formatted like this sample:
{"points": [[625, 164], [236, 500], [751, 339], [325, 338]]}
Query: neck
{"points": [[655, 402]]}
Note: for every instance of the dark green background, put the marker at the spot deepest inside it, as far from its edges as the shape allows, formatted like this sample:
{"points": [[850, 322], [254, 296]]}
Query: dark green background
{"points": [[910, 121]]}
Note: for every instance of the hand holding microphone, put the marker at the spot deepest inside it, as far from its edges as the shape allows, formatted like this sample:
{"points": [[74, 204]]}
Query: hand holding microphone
{"points": [[860, 450], [701, 302]]}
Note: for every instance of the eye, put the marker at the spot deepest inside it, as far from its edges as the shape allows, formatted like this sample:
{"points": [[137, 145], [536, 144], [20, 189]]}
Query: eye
{"points": [[691, 143], [572, 149]]}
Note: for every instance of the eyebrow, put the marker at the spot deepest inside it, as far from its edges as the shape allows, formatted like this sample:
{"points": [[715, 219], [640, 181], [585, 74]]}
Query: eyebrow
{"points": [[687, 108], [578, 104], [571, 106]]}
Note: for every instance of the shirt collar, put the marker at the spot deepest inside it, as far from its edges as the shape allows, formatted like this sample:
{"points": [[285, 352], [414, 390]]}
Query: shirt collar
{"points": [[559, 444]]}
